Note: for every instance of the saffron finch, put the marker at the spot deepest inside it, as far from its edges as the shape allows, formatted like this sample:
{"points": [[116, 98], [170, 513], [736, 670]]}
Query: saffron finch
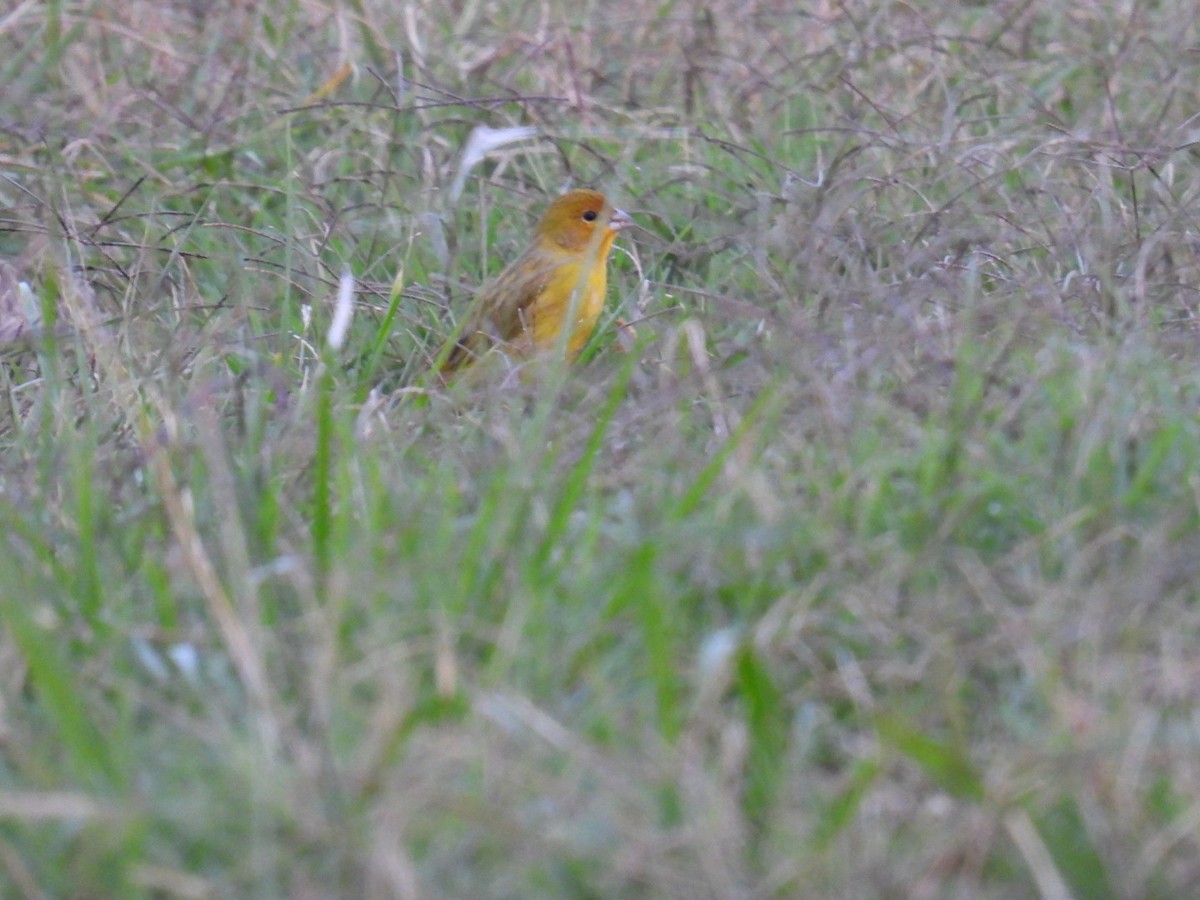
{"points": [[558, 283]]}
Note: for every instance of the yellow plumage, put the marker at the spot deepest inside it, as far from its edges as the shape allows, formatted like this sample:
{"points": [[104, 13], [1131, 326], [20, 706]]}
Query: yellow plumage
{"points": [[561, 278]]}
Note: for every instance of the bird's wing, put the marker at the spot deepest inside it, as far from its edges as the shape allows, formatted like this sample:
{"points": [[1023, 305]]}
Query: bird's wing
{"points": [[502, 306], [505, 303]]}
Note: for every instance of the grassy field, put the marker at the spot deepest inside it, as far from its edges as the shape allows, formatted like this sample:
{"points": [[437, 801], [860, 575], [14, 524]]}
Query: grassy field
{"points": [[872, 570]]}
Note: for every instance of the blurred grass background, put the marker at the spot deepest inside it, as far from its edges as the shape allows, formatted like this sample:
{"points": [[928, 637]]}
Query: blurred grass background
{"points": [[872, 572]]}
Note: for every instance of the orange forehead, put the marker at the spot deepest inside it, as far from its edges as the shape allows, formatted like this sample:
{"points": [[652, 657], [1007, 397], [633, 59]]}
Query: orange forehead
{"points": [[573, 206], [571, 218]]}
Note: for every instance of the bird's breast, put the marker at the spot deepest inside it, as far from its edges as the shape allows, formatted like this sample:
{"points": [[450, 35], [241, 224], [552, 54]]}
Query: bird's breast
{"points": [[576, 285]]}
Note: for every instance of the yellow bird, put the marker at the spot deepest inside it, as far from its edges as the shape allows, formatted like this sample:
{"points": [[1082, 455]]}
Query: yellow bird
{"points": [[557, 283]]}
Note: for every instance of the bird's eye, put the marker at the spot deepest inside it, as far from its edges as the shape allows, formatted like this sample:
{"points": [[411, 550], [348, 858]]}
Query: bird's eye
{"points": [[589, 216]]}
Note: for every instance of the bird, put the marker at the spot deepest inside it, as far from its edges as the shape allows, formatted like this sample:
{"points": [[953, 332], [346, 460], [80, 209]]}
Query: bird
{"points": [[557, 284]]}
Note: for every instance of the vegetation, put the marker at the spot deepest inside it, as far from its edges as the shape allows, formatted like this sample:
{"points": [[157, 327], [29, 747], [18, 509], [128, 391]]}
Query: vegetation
{"points": [[872, 570]]}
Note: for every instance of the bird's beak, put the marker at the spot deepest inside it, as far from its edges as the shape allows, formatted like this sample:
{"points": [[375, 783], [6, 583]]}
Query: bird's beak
{"points": [[620, 219]]}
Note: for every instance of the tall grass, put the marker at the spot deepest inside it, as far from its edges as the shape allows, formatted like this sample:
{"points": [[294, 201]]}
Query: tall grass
{"points": [[870, 571]]}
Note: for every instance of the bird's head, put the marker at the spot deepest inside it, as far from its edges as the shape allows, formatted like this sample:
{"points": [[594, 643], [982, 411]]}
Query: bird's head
{"points": [[571, 220]]}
